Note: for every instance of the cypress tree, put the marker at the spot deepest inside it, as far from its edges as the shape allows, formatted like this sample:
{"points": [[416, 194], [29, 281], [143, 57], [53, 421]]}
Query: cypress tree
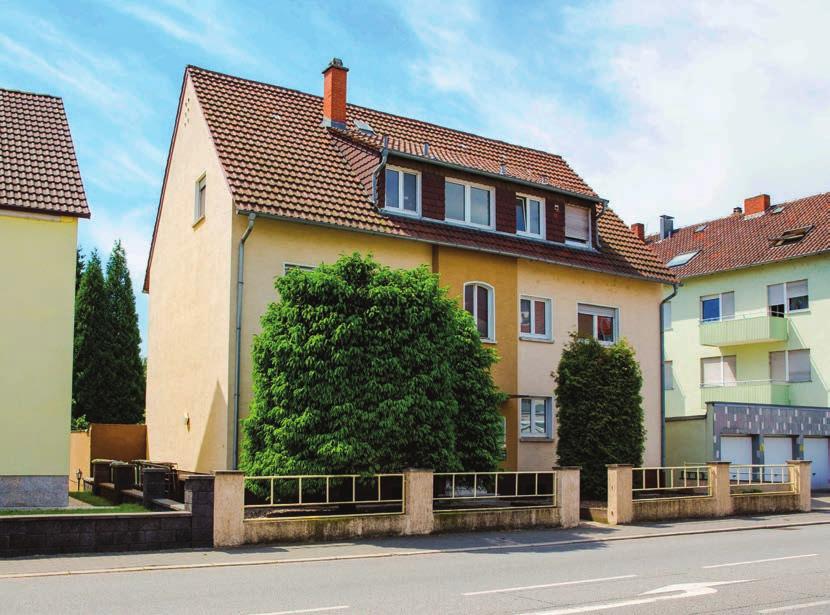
{"points": [[126, 371]]}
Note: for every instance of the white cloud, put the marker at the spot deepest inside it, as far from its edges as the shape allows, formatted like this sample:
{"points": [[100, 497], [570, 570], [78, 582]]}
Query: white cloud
{"points": [[682, 108]]}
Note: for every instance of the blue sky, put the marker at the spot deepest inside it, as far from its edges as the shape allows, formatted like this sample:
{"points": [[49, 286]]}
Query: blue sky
{"points": [[680, 107]]}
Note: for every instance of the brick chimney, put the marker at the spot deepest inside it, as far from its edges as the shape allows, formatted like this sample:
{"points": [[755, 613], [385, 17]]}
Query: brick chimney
{"points": [[756, 204], [639, 230], [334, 94]]}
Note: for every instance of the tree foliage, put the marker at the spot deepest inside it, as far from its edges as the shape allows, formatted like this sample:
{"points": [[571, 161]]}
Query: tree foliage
{"points": [[599, 410], [362, 368]]}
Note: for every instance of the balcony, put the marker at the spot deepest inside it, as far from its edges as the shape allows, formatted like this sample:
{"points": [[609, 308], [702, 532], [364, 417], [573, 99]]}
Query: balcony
{"points": [[747, 392], [743, 330]]}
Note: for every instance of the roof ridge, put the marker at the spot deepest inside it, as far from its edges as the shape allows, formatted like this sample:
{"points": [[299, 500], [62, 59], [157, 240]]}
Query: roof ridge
{"points": [[29, 93]]}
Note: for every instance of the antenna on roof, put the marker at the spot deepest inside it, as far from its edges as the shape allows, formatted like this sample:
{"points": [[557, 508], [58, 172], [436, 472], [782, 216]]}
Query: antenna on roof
{"points": [[502, 168], [426, 149], [385, 141]]}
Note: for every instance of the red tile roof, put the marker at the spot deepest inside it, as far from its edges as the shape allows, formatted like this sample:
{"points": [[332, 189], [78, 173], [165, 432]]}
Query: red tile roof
{"points": [[38, 169], [280, 161], [739, 241]]}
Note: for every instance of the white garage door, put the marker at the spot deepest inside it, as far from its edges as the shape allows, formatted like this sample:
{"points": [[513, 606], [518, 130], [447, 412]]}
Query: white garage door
{"points": [[777, 451], [738, 450], [816, 450]]}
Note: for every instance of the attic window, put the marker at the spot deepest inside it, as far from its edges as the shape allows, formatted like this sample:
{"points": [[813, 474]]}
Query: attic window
{"points": [[364, 127], [791, 236], [682, 259], [701, 228], [777, 209]]}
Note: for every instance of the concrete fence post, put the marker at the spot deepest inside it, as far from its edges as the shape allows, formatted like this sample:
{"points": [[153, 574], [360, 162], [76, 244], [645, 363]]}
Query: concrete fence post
{"points": [[620, 496], [720, 488], [801, 475], [567, 495], [228, 509], [418, 501]]}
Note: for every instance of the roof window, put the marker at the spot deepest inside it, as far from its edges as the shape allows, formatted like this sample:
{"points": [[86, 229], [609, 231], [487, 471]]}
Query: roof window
{"points": [[701, 228], [791, 236], [364, 127], [682, 259], [777, 209]]}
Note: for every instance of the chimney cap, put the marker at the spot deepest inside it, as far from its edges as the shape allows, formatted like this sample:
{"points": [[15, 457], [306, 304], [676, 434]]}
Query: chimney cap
{"points": [[335, 63], [737, 210]]}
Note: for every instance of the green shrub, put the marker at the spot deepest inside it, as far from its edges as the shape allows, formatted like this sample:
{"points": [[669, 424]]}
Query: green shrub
{"points": [[360, 368], [599, 410]]}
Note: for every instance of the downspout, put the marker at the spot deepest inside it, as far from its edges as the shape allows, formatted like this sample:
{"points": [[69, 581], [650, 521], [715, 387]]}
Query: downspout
{"points": [[675, 287], [604, 207], [240, 283], [383, 156]]}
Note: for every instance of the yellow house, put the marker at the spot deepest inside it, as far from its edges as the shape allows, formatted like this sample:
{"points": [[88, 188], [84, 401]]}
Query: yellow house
{"points": [[261, 178], [41, 199]]}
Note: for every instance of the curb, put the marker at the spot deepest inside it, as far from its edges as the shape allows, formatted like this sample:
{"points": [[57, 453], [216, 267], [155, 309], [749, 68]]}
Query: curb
{"points": [[333, 558]]}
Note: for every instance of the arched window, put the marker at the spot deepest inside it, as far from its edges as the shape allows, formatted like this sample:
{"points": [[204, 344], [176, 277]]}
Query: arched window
{"points": [[479, 300]]}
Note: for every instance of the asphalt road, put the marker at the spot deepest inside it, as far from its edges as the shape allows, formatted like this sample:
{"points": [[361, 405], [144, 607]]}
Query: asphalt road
{"points": [[783, 570]]}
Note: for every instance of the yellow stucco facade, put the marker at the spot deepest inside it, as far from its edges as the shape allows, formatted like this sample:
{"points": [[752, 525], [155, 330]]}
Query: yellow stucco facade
{"points": [[37, 259]]}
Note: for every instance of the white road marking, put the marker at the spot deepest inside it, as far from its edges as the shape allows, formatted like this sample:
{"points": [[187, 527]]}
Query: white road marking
{"points": [[560, 584], [317, 610], [761, 561], [795, 607], [689, 590]]}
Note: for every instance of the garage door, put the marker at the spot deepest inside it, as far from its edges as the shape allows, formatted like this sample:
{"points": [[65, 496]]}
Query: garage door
{"points": [[816, 450], [777, 451], [738, 450]]}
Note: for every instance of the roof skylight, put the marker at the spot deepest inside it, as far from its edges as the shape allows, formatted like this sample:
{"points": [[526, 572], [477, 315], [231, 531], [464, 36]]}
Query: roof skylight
{"points": [[701, 228], [682, 259], [791, 236], [364, 127]]}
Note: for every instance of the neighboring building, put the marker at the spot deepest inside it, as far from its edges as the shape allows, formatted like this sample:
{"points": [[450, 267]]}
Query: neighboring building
{"points": [[747, 338], [41, 199], [290, 179]]}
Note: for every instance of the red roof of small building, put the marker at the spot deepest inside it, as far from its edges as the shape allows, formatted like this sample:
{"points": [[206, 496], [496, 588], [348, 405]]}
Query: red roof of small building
{"points": [[739, 241], [280, 161], [38, 169]]}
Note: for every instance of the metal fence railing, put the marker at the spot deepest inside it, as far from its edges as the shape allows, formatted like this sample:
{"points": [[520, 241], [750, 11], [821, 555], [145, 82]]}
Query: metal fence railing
{"points": [[756, 479], [493, 490], [661, 482], [326, 494]]}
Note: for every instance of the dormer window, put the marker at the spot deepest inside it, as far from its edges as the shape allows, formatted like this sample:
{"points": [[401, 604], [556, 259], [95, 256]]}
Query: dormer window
{"points": [[530, 216], [577, 225], [469, 203], [403, 191]]}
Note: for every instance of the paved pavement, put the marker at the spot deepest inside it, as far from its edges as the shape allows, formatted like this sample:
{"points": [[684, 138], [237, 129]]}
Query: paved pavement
{"points": [[654, 568]]}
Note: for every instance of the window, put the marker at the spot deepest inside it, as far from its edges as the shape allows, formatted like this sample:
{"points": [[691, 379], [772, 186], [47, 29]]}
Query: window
{"points": [[200, 200], [530, 216], [790, 366], [717, 307], [790, 236], [286, 267], [718, 371], [597, 322], [503, 451], [577, 225], [478, 301], [785, 298], [667, 316], [535, 417], [682, 259], [469, 203], [535, 318], [403, 191], [668, 379]]}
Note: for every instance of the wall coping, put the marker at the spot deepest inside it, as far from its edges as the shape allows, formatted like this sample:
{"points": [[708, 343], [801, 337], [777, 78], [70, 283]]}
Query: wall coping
{"points": [[59, 517], [619, 465]]}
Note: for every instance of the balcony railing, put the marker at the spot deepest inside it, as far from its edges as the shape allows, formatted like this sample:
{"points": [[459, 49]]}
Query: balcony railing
{"points": [[748, 392], [747, 329]]}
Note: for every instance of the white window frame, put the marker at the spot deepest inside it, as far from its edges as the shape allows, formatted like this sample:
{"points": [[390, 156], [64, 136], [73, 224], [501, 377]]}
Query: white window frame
{"points": [[548, 336], [786, 286], [400, 210], [466, 221], [723, 382], [286, 267], [198, 209], [589, 244], [594, 323], [491, 313], [719, 297], [787, 375], [548, 435], [541, 233]]}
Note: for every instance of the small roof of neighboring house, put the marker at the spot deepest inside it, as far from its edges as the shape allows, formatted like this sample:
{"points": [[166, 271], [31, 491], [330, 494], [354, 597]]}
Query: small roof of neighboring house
{"points": [[776, 233], [38, 169], [279, 161]]}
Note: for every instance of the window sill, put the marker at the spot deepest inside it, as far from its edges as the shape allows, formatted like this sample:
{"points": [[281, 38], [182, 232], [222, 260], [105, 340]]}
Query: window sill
{"points": [[472, 225], [529, 338], [395, 211], [486, 341], [198, 221], [797, 312], [546, 439], [529, 235]]}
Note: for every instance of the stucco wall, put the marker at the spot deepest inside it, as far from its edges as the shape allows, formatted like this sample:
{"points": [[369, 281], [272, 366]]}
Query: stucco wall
{"points": [[189, 337], [37, 262]]}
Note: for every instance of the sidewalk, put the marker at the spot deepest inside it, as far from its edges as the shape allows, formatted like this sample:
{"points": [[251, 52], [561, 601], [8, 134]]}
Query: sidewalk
{"points": [[408, 546]]}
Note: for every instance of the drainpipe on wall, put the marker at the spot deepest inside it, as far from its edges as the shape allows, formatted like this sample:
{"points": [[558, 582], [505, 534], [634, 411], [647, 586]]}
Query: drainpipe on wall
{"points": [[604, 204], [675, 287], [240, 283], [376, 172]]}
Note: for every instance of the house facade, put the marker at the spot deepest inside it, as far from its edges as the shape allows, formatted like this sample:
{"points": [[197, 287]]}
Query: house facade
{"points": [[41, 200], [747, 347], [261, 179]]}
